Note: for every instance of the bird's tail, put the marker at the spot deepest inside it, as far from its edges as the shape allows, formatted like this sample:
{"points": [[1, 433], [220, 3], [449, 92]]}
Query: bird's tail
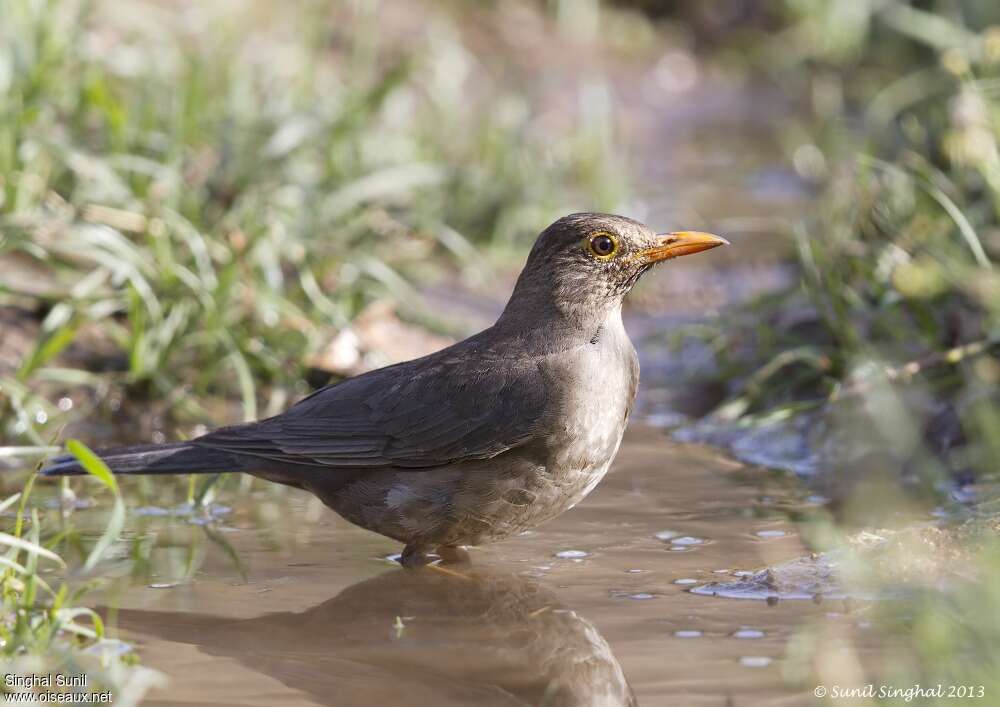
{"points": [[172, 458]]}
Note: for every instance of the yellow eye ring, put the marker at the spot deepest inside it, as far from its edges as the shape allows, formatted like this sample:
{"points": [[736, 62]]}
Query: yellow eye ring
{"points": [[603, 245]]}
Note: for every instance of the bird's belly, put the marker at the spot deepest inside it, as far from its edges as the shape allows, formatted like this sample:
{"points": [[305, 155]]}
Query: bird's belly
{"points": [[522, 489], [466, 504], [486, 511]]}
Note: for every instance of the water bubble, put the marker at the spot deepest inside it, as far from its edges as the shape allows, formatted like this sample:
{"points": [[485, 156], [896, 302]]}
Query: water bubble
{"points": [[150, 511], [687, 540], [666, 535], [748, 633], [687, 633], [163, 585], [572, 554], [686, 580], [755, 661], [41, 417], [770, 533], [109, 648], [634, 571], [65, 404], [635, 596]]}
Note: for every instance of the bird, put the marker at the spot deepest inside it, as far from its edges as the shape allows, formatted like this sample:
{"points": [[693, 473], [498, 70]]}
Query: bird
{"points": [[480, 441]]}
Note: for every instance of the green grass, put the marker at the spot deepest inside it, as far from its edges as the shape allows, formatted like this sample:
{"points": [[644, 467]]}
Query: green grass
{"points": [[206, 198], [46, 629], [899, 294]]}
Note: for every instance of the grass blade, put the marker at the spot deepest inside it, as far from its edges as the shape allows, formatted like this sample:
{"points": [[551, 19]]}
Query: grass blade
{"points": [[96, 467], [92, 464], [20, 544]]}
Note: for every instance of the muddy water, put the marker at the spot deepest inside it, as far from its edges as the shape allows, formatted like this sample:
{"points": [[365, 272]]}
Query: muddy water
{"points": [[584, 611], [277, 601]]}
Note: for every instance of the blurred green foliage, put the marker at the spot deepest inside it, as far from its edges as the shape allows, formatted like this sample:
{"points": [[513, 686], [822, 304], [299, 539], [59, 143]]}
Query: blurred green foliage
{"points": [[207, 193], [898, 134], [45, 630]]}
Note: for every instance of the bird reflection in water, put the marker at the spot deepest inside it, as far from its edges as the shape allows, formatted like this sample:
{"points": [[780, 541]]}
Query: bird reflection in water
{"points": [[426, 637]]}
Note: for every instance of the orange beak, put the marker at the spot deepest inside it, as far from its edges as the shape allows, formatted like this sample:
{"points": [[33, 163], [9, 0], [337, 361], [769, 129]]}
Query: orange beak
{"points": [[674, 245]]}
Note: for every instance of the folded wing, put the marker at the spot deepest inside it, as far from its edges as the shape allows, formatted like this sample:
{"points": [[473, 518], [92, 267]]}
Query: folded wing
{"points": [[423, 413]]}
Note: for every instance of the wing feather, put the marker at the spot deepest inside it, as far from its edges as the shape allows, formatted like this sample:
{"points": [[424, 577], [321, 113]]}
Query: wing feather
{"points": [[427, 412]]}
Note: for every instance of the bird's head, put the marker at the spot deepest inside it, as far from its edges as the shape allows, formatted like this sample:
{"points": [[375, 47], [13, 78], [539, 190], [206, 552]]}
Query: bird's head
{"points": [[583, 265]]}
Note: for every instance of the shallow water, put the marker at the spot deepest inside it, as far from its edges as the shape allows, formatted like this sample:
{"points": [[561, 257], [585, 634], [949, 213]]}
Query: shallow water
{"points": [[277, 601], [579, 612]]}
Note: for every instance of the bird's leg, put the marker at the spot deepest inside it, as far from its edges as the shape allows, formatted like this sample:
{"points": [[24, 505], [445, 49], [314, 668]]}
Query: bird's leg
{"points": [[454, 555], [414, 556]]}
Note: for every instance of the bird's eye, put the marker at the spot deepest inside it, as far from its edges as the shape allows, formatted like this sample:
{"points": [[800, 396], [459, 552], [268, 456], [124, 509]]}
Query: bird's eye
{"points": [[603, 245]]}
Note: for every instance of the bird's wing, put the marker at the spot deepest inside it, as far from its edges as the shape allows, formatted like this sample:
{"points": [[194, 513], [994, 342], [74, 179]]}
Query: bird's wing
{"points": [[418, 414]]}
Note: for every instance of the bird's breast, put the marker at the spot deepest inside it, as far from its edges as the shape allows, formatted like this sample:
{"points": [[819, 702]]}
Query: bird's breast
{"points": [[594, 389]]}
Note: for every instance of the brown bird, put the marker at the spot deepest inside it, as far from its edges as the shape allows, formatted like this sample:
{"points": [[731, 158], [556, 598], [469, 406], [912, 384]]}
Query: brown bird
{"points": [[481, 440]]}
